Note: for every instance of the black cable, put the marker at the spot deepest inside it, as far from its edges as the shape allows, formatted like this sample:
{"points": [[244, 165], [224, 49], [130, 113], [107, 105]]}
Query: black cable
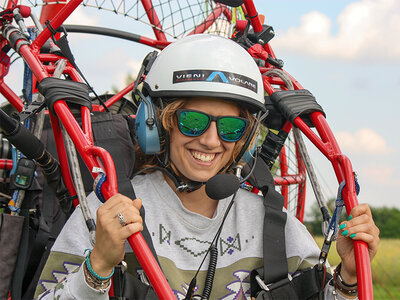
{"points": [[212, 264], [63, 44], [102, 31], [258, 149]]}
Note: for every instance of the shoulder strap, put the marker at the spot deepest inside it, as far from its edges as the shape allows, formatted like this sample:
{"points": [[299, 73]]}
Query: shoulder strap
{"points": [[306, 284], [112, 133], [275, 260]]}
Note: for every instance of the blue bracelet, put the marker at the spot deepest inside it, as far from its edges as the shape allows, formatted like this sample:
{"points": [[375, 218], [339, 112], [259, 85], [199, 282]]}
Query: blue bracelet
{"points": [[89, 267]]}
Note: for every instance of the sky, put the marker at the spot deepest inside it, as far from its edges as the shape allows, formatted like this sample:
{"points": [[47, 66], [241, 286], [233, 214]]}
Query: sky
{"points": [[346, 53]]}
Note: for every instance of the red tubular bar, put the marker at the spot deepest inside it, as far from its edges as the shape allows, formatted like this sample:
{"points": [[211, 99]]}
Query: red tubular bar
{"points": [[253, 15], [56, 22], [6, 164], [288, 180], [301, 195], [50, 10], [117, 96], [86, 123], [217, 11], [227, 12], [11, 97], [154, 43], [153, 18], [325, 148], [62, 156], [256, 22]]}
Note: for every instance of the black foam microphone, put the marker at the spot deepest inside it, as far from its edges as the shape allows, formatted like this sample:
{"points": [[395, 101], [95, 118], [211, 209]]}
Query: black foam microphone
{"points": [[222, 186]]}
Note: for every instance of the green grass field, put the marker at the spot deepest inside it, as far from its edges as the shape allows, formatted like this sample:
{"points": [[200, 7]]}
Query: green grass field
{"points": [[385, 268]]}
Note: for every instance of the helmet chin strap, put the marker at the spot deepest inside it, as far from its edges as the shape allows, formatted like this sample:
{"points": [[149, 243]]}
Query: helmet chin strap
{"points": [[189, 186], [180, 185]]}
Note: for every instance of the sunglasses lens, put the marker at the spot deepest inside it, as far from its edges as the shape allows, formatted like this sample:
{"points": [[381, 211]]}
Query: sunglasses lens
{"points": [[193, 123], [231, 129]]}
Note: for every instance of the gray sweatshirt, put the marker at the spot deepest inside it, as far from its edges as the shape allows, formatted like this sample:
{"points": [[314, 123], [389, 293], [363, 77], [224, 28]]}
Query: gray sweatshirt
{"points": [[181, 239]]}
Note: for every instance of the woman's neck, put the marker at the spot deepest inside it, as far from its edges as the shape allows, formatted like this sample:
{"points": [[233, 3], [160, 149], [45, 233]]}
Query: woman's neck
{"points": [[196, 201]]}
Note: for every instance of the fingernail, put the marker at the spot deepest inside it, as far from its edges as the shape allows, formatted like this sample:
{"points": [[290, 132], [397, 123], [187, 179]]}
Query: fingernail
{"points": [[344, 233], [342, 226], [352, 235], [350, 217]]}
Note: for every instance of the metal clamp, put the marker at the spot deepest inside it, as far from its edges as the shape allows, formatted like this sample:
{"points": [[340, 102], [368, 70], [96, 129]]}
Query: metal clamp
{"points": [[268, 287]]}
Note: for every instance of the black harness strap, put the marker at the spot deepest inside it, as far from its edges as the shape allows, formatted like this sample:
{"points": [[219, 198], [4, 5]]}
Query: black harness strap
{"points": [[50, 218], [296, 103], [54, 89], [10, 236], [27, 239], [276, 283], [275, 261]]}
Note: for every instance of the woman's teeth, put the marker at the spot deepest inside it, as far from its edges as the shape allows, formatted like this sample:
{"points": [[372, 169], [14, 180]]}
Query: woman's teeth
{"points": [[203, 156]]}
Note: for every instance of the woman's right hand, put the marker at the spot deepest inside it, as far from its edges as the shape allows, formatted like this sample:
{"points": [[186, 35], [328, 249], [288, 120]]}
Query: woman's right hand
{"points": [[109, 249]]}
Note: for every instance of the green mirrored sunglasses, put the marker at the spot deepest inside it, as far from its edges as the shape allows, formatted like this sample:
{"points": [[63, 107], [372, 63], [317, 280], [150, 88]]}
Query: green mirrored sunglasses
{"points": [[195, 123]]}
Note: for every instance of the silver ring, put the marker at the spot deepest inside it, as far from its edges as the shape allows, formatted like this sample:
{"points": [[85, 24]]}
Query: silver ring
{"points": [[121, 219]]}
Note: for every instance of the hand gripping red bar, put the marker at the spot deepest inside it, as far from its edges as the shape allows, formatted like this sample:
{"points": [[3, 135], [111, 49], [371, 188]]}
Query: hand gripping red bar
{"points": [[343, 169], [90, 154]]}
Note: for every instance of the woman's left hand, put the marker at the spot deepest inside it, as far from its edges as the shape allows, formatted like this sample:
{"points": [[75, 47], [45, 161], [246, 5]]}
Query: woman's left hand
{"points": [[359, 227]]}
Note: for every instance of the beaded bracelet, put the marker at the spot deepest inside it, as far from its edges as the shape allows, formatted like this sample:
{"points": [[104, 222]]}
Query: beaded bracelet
{"points": [[347, 289], [101, 286], [92, 272]]}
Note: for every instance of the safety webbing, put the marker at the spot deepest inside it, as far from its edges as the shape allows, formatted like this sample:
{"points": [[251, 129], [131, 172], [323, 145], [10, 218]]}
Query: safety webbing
{"points": [[275, 261]]}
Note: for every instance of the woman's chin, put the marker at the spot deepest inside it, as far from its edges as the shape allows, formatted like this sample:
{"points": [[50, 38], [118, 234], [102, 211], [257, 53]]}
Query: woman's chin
{"points": [[200, 177]]}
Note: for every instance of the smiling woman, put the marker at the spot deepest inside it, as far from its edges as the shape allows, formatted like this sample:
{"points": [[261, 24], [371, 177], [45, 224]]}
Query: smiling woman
{"points": [[202, 129]]}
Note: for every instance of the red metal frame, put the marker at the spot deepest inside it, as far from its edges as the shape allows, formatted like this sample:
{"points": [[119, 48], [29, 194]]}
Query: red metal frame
{"points": [[328, 145], [6, 164], [301, 195], [97, 157]]}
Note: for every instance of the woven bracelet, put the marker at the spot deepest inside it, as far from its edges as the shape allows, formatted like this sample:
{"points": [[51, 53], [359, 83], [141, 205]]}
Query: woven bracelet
{"points": [[92, 272], [345, 288]]}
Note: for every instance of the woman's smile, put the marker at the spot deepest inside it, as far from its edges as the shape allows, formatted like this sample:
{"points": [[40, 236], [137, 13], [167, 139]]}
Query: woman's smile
{"points": [[203, 157]]}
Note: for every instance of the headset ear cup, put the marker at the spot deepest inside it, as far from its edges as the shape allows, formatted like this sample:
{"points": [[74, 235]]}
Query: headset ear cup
{"points": [[146, 127]]}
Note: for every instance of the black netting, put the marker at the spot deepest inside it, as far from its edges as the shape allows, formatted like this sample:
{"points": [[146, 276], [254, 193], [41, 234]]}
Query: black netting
{"points": [[174, 18]]}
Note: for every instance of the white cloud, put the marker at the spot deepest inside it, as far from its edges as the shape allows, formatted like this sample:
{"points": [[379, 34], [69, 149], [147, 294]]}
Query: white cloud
{"points": [[364, 141], [382, 175], [115, 65], [367, 29], [81, 17]]}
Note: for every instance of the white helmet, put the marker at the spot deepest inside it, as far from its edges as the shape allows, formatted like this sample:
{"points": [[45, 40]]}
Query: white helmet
{"points": [[205, 65]]}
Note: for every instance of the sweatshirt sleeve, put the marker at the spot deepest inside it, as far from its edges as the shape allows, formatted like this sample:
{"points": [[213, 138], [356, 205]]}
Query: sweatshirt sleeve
{"points": [[71, 286], [62, 277]]}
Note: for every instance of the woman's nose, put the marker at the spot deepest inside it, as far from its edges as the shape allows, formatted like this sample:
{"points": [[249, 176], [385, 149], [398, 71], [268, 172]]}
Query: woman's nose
{"points": [[210, 138]]}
